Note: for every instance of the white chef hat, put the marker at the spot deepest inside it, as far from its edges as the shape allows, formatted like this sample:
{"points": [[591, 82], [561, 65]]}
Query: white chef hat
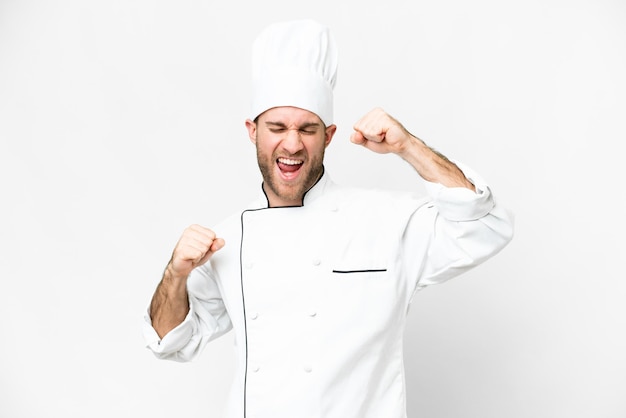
{"points": [[294, 64]]}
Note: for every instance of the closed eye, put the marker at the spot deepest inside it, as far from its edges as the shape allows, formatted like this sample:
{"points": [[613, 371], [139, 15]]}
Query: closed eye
{"points": [[304, 129]]}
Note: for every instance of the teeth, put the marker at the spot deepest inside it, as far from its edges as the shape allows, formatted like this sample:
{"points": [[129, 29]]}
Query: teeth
{"points": [[289, 162]]}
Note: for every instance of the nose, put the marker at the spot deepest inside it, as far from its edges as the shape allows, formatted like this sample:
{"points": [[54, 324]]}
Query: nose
{"points": [[292, 143]]}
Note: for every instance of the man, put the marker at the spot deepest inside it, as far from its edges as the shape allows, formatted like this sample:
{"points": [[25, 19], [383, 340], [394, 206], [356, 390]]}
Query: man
{"points": [[316, 279]]}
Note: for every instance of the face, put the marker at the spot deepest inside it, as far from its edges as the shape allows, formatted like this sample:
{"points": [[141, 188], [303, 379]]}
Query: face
{"points": [[290, 144]]}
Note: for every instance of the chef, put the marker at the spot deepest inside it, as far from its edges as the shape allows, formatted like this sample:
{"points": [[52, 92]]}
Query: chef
{"points": [[315, 279]]}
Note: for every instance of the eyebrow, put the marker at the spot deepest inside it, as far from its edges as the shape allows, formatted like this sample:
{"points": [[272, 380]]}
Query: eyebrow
{"points": [[303, 126]]}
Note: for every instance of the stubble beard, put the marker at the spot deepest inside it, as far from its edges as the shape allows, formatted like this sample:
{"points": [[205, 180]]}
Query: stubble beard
{"points": [[296, 191]]}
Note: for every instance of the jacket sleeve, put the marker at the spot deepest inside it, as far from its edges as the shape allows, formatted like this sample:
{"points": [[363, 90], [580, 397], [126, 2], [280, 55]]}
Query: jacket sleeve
{"points": [[207, 319], [463, 229]]}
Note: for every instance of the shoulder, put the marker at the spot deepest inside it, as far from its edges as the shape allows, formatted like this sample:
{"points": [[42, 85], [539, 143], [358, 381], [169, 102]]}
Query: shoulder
{"points": [[376, 199]]}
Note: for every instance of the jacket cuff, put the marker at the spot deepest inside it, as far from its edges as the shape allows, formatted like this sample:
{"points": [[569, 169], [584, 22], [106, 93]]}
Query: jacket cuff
{"points": [[173, 340], [460, 203]]}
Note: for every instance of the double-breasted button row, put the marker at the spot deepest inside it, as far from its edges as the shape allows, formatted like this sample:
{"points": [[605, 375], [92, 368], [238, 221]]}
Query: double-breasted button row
{"points": [[255, 315], [307, 368], [249, 265]]}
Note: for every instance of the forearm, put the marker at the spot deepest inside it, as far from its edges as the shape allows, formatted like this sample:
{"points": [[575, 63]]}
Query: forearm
{"points": [[170, 303], [433, 166]]}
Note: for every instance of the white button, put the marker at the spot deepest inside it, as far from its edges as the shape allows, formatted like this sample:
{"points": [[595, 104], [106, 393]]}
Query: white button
{"points": [[308, 368], [317, 262], [254, 315], [255, 369], [249, 265], [312, 314]]}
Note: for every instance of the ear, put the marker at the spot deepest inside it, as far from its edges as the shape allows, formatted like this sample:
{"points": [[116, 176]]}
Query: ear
{"points": [[330, 132], [251, 127]]}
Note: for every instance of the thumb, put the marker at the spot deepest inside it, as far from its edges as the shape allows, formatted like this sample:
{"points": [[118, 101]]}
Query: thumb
{"points": [[216, 245], [357, 138], [375, 146]]}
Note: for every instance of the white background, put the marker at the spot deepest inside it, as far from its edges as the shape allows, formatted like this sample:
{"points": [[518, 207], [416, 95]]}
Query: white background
{"points": [[121, 122]]}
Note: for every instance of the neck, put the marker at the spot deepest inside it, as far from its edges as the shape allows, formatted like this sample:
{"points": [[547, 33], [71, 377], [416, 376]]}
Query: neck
{"points": [[275, 200]]}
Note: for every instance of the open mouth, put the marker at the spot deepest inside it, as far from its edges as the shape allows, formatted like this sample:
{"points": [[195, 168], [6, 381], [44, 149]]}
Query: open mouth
{"points": [[288, 167]]}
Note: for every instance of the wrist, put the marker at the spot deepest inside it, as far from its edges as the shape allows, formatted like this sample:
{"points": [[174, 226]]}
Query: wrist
{"points": [[175, 281], [412, 148]]}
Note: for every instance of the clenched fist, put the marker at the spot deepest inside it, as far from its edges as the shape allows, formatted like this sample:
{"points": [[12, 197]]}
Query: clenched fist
{"points": [[381, 133], [194, 248]]}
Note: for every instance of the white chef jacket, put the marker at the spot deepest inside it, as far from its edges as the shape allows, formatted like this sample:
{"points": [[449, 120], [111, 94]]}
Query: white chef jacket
{"points": [[318, 294]]}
